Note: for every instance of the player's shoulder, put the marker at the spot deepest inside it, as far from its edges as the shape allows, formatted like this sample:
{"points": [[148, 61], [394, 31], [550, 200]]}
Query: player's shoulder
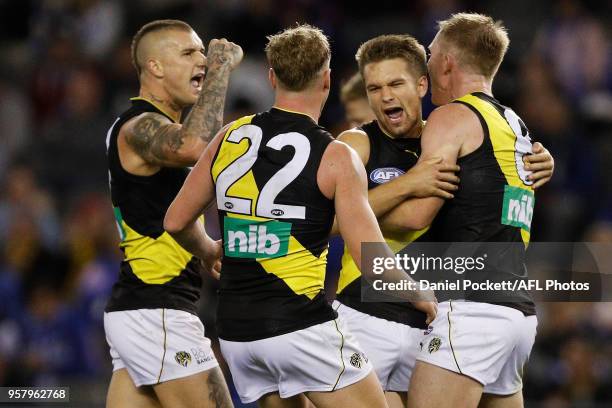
{"points": [[340, 155], [457, 116], [355, 134], [144, 123], [450, 110], [357, 139]]}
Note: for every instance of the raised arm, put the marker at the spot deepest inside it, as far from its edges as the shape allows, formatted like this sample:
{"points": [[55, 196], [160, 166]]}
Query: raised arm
{"points": [[160, 142], [342, 176]]}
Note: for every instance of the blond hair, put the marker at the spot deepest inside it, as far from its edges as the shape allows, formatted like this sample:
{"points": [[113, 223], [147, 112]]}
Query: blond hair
{"points": [[385, 47], [154, 26], [480, 41], [353, 89], [297, 55]]}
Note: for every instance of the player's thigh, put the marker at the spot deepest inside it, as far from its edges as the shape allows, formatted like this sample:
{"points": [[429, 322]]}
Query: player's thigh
{"points": [[324, 357], [396, 399], [204, 389], [122, 393], [273, 400], [510, 379], [158, 345], [435, 387], [502, 401], [380, 339], [366, 393]]}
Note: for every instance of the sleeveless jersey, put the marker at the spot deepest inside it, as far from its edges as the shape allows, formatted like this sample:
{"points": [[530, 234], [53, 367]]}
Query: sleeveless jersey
{"points": [[389, 158], [156, 272], [495, 201], [275, 223]]}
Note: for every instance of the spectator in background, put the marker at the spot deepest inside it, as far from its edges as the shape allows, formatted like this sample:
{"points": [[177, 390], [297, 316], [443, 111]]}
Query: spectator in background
{"points": [[23, 200], [575, 45], [355, 100], [15, 126], [72, 139]]}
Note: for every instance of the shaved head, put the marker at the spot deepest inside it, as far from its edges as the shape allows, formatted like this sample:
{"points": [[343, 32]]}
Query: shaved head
{"points": [[149, 41]]}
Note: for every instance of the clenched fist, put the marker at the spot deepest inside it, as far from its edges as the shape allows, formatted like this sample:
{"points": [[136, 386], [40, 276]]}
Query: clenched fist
{"points": [[223, 52]]}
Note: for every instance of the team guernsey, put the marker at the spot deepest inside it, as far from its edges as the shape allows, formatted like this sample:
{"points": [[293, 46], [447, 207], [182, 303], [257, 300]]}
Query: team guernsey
{"points": [[275, 224], [156, 272], [495, 201], [389, 158]]}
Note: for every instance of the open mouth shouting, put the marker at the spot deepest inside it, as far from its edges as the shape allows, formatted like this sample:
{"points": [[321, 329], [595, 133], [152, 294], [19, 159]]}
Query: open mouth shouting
{"points": [[394, 115], [197, 81]]}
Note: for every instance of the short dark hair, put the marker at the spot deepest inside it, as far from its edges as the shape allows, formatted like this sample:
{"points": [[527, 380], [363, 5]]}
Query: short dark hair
{"points": [[385, 47], [151, 27], [297, 55]]}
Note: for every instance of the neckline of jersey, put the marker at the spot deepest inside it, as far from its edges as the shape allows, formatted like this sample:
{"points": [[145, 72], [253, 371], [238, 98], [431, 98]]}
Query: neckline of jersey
{"points": [[294, 112], [156, 106]]}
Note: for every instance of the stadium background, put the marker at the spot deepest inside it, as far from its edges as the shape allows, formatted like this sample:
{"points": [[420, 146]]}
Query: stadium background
{"points": [[65, 74]]}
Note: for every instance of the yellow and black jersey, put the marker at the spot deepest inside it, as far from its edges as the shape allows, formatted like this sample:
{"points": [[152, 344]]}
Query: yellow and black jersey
{"points": [[275, 223], [495, 201], [389, 158], [156, 272]]}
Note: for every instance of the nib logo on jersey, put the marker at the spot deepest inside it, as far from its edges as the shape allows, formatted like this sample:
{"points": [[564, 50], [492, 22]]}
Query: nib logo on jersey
{"points": [[518, 207], [244, 238], [385, 174]]}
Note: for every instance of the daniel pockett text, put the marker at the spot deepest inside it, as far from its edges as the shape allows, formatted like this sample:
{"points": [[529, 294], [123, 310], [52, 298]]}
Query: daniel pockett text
{"points": [[484, 272]]}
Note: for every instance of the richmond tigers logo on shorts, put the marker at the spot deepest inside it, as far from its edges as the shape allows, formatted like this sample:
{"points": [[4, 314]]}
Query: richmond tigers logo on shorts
{"points": [[183, 358]]}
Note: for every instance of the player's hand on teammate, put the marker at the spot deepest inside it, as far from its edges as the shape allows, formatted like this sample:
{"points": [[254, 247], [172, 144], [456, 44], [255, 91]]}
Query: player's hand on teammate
{"points": [[429, 307], [433, 178], [223, 52], [211, 265], [541, 164]]}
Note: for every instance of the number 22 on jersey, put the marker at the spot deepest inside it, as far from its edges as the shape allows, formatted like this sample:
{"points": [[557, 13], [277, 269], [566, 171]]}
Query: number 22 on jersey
{"points": [[265, 205]]}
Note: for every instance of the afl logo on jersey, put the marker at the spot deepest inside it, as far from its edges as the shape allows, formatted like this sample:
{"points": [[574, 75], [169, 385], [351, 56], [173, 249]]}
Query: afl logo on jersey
{"points": [[277, 212], [385, 174], [228, 205]]}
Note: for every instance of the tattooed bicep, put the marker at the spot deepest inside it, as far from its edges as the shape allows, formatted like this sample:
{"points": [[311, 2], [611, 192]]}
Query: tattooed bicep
{"points": [[154, 137]]}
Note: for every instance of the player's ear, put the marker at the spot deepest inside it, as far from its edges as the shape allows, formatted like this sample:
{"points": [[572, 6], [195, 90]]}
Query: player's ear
{"points": [[327, 79], [449, 61], [272, 78], [422, 85], [155, 67]]}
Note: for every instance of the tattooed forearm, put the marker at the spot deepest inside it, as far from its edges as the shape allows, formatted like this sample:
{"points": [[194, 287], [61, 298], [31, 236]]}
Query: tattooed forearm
{"points": [[206, 116], [218, 393], [154, 138]]}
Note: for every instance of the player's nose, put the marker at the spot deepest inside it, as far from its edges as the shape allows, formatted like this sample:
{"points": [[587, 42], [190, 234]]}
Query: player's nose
{"points": [[386, 93], [201, 61]]}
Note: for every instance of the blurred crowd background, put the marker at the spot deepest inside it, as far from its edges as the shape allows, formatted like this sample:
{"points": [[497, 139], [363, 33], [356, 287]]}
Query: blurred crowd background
{"points": [[66, 73]]}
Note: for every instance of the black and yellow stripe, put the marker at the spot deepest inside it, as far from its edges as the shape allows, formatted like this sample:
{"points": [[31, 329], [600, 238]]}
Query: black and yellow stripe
{"points": [[156, 272], [263, 296], [394, 156], [494, 202]]}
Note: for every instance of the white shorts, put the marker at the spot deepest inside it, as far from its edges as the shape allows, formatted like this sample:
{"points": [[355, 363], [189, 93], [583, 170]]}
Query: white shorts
{"points": [[323, 357], [157, 345], [391, 347], [489, 343]]}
